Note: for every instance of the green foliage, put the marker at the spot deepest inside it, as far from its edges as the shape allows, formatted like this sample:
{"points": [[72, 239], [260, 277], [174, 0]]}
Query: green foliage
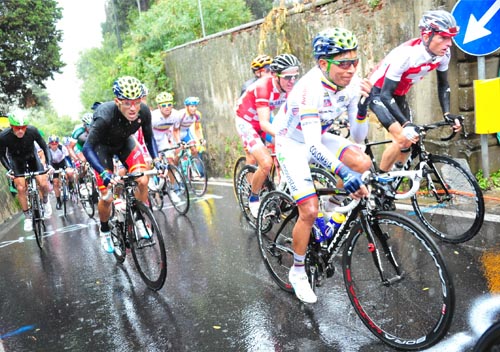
{"points": [[29, 48], [488, 183], [166, 24], [48, 122]]}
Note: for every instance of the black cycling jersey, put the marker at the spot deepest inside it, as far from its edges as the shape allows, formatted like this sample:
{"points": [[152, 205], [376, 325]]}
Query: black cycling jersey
{"points": [[112, 130], [16, 152]]}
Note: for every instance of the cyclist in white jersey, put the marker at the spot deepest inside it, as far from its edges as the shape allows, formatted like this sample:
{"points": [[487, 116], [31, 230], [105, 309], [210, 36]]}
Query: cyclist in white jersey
{"points": [[187, 117], [400, 69], [326, 92], [163, 121]]}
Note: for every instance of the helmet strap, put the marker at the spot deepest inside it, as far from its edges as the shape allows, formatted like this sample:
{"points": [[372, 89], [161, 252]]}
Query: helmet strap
{"points": [[428, 42]]}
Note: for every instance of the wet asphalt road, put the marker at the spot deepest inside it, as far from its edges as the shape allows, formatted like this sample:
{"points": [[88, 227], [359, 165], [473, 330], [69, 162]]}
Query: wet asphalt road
{"points": [[72, 296]]}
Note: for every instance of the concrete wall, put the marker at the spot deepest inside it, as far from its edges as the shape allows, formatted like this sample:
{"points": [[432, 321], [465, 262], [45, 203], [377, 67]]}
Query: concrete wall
{"points": [[215, 68]]}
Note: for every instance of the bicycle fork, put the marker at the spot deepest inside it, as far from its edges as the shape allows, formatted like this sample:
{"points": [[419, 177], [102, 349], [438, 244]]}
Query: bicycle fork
{"points": [[373, 233]]}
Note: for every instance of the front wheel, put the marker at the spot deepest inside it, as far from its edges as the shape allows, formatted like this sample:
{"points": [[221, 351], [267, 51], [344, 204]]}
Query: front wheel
{"points": [[37, 218], [148, 248], [197, 176], [177, 190], [85, 193], [64, 197], [450, 202], [412, 305]]}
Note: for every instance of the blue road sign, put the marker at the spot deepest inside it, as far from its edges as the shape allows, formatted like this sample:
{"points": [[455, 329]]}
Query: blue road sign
{"points": [[479, 22]]}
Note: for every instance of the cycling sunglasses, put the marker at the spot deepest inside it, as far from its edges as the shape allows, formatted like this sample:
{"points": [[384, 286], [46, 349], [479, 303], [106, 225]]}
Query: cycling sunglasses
{"points": [[344, 64], [166, 105]]}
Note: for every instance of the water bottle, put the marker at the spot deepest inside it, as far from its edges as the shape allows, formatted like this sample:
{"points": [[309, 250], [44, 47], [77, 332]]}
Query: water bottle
{"points": [[334, 223], [119, 204], [319, 228]]}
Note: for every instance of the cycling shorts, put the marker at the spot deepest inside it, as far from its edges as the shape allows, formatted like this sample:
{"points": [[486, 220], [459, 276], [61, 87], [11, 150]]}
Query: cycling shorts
{"points": [[383, 114], [295, 161], [20, 166], [249, 136], [130, 156]]}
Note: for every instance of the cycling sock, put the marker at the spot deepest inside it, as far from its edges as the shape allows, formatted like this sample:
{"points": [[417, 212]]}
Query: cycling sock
{"points": [[104, 226], [298, 262], [253, 197]]}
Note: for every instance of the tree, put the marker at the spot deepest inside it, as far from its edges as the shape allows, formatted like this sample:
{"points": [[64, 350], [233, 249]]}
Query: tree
{"points": [[29, 48]]}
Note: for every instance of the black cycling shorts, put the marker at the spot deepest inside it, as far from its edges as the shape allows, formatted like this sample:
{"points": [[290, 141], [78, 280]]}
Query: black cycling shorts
{"points": [[383, 114]]}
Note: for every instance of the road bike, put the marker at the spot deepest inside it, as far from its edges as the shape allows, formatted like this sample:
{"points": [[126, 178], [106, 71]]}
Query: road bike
{"points": [[450, 202], [135, 227], [174, 185], [489, 340], [194, 170], [88, 192], [35, 204], [394, 274], [66, 192]]}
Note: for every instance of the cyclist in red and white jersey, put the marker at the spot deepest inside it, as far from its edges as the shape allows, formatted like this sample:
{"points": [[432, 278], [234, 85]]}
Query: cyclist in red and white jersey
{"points": [[321, 96], [253, 116], [400, 70]]}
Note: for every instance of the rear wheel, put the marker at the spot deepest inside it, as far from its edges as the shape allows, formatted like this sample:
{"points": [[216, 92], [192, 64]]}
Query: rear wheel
{"points": [[118, 241], [85, 193], [238, 166], [177, 190], [148, 248], [411, 308], [64, 197], [155, 192], [277, 217]]}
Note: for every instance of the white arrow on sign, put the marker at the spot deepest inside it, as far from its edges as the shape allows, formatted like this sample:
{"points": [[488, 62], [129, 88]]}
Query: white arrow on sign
{"points": [[475, 29]]}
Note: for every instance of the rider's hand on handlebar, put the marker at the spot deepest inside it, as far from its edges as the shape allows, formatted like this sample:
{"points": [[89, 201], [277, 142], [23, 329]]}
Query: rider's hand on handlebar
{"points": [[160, 167], [457, 119], [410, 132], [10, 174], [352, 182], [107, 178]]}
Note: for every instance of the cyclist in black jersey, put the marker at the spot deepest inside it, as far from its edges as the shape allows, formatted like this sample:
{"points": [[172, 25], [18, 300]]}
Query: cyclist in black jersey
{"points": [[18, 155], [111, 133]]}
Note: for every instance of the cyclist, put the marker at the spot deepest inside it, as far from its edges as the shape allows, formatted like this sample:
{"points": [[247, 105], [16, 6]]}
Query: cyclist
{"points": [[327, 91], [60, 160], [79, 136], [260, 68], [187, 117], [253, 116], [400, 69], [18, 155], [111, 133]]}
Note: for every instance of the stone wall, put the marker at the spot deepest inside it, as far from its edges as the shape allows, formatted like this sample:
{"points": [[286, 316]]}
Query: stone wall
{"points": [[215, 67]]}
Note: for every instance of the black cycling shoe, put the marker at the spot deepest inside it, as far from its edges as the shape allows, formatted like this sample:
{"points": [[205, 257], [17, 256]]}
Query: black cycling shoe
{"points": [[58, 205]]}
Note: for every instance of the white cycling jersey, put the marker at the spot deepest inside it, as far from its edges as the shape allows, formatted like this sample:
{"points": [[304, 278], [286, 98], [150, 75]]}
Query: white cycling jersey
{"points": [[163, 128]]}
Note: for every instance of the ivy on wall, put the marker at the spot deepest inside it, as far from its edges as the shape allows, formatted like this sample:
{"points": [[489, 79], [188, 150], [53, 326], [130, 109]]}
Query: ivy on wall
{"points": [[274, 24]]}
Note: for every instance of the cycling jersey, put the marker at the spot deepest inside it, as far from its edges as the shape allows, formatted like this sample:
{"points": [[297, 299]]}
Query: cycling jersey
{"points": [[79, 136], [408, 64], [16, 152], [111, 133], [262, 93], [311, 108], [184, 123], [59, 154], [163, 127]]}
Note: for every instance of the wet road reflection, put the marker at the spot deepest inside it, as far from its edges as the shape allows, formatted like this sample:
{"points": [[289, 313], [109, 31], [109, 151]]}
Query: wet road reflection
{"points": [[218, 295]]}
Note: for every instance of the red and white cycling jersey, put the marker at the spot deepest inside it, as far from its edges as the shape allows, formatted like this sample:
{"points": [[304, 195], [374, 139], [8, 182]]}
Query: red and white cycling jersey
{"points": [[261, 93], [408, 64]]}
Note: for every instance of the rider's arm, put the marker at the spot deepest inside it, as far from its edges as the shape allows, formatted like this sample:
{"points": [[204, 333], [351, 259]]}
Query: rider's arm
{"points": [[3, 157], [387, 98], [357, 111], [443, 88], [43, 146], [149, 140], [264, 114], [92, 141]]}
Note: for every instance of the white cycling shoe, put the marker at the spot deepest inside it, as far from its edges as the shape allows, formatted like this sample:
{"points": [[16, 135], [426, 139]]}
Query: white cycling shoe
{"points": [[301, 286]]}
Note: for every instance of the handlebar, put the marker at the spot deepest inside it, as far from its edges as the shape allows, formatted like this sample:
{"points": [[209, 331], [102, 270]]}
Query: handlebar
{"points": [[369, 177], [446, 122], [30, 173]]}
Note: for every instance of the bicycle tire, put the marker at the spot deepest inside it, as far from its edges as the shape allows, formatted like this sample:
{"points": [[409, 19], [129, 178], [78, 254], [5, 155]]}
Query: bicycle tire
{"points": [[180, 188], [277, 217], [86, 197], [36, 216], [64, 197], [464, 202], [238, 166], [244, 189], [411, 312], [489, 341], [155, 193], [149, 254], [118, 239], [197, 176]]}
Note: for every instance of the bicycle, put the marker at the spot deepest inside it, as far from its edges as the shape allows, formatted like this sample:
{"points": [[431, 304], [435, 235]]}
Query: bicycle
{"points": [[87, 190], [446, 189], [174, 186], [66, 193], [136, 228], [35, 204], [194, 170], [394, 274]]}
